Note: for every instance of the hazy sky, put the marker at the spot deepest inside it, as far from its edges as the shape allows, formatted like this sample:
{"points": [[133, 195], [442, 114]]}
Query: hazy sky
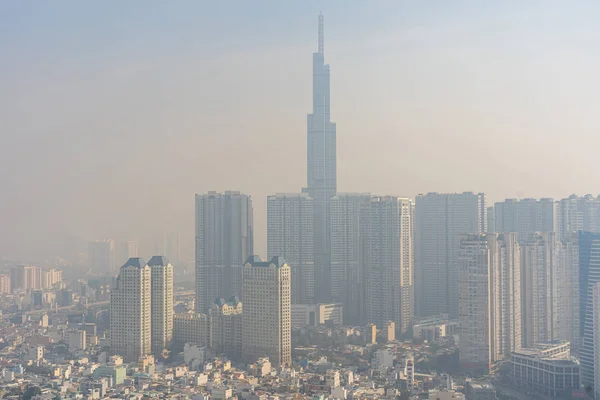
{"points": [[113, 114]]}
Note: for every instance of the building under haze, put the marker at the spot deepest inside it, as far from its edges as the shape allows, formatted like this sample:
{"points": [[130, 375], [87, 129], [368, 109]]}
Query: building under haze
{"points": [[524, 216], [161, 272], [226, 327], [266, 319], [550, 289], [489, 299], [290, 233], [224, 240], [125, 250], [387, 231], [440, 220], [321, 165], [589, 276], [596, 339], [101, 257], [26, 277], [347, 273], [131, 311], [577, 213]]}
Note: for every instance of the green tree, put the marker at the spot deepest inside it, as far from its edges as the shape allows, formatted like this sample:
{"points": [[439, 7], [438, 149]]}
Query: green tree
{"points": [[31, 392]]}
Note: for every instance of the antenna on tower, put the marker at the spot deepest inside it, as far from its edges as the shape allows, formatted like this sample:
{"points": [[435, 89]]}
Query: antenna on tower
{"points": [[321, 35]]}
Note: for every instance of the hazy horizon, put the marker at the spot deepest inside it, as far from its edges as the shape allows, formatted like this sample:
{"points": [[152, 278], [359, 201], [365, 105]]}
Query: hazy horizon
{"points": [[114, 114]]}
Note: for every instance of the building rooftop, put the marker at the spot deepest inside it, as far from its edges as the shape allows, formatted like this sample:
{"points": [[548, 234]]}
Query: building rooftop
{"points": [[135, 262], [158, 260], [256, 261]]}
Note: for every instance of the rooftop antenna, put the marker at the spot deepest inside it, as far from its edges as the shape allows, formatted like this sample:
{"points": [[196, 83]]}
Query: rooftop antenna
{"points": [[321, 35]]}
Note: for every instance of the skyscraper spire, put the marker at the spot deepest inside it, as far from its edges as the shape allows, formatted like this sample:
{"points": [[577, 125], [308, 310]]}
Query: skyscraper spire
{"points": [[321, 168], [321, 35]]}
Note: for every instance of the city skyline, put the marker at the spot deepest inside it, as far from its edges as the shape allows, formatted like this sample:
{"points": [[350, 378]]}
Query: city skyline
{"points": [[395, 106], [364, 284]]}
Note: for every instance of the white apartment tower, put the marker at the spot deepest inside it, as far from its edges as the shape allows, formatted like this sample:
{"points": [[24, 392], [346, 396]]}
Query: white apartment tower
{"points": [[161, 271], [387, 231], [489, 299], [290, 234], [577, 213], [347, 273], [224, 240], [131, 311], [440, 220], [266, 320], [550, 295]]}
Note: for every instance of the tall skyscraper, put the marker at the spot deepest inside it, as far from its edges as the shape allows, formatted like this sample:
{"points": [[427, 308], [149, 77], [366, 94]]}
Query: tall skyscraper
{"points": [[388, 261], [577, 213], [347, 273], [161, 272], [131, 310], [596, 338], [589, 276], [224, 240], [547, 289], [26, 277], [290, 233], [321, 164], [266, 320], [125, 250], [172, 246], [549, 272], [489, 299], [101, 257], [440, 220], [524, 216]]}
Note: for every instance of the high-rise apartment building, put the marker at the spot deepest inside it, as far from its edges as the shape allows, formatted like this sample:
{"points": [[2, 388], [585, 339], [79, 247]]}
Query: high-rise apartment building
{"points": [[577, 213], [26, 277], [596, 337], [224, 240], [266, 320], [172, 246], [524, 216], [126, 250], [440, 220], [51, 278], [387, 230], [131, 311], [490, 219], [5, 286], [550, 289], [226, 327], [290, 233], [347, 273], [589, 276], [321, 165], [489, 299], [161, 272], [101, 257]]}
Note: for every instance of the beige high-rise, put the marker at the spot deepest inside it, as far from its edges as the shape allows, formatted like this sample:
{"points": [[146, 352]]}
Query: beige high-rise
{"points": [[130, 311], [162, 303], [489, 299], [226, 327], [266, 320]]}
